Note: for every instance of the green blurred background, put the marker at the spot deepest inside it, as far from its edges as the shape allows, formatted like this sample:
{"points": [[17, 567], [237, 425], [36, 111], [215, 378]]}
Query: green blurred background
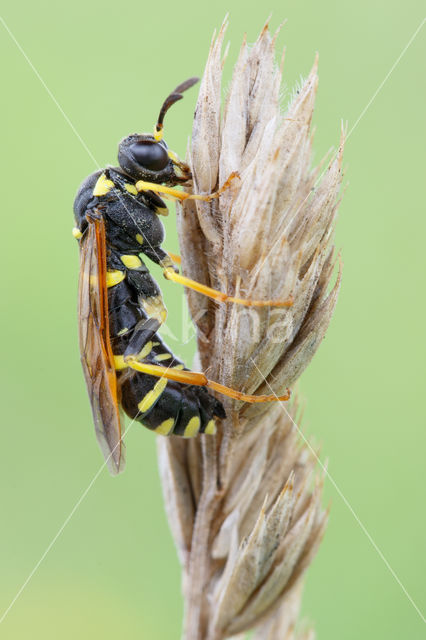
{"points": [[113, 571]]}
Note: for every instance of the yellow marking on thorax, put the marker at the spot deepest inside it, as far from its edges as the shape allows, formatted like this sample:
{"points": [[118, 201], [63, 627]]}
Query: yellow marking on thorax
{"points": [[102, 186], [131, 188], [123, 331], [165, 427], [155, 344], [139, 238], [163, 356], [179, 366], [131, 261], [154, 307], [114, 277], [153, 395], [119, 363], [162, 211], [210, 428], [192, 428], [76, 233]]}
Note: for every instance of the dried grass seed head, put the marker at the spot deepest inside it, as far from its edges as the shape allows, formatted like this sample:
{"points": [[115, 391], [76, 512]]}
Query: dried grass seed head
{"points": [[245, 517], [269, 236]]}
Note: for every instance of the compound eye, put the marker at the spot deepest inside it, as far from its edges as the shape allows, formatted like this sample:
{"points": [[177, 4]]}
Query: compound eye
{"points": [[150, 155]]}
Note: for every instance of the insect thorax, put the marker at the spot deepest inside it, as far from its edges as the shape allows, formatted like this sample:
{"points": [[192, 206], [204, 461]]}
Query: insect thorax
{"points": [[131, 218]]}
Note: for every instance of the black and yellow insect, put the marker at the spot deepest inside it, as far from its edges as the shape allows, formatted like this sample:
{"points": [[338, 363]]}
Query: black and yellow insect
{"points": [[126, 364]]}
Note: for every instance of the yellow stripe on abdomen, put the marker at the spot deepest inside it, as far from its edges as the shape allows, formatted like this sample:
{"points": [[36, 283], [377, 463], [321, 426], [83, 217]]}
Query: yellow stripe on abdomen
{"points": [[192, 428], [163, 356], [165, 427], [153, 395], [210, 428]]}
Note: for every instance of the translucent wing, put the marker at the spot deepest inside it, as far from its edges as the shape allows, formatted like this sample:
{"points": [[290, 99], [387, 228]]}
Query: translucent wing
{"points": [[95, 347]]}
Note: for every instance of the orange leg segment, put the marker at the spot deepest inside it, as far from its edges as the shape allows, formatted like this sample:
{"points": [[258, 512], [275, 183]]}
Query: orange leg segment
{"points": [[200, 380], [169, 274], [174, 257]]}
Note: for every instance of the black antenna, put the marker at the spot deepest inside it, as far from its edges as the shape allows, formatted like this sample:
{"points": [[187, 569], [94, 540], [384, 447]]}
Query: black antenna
{"points": [[171, 99]]}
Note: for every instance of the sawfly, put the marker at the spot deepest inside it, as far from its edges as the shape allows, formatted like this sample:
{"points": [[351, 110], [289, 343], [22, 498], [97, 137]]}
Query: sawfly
{"points": [[126, 364]]}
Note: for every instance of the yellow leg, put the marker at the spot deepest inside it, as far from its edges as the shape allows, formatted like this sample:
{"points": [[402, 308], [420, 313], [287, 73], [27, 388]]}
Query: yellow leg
{"points": [[141, 185], [175, 258], [200, 380], [169, 274]]}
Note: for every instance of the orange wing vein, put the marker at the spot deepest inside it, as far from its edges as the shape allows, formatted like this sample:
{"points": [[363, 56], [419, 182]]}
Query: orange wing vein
{"points": [[95, 347]]}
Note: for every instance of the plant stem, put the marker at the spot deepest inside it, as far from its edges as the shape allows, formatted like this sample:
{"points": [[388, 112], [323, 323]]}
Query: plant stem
{"points": [[197, 573]]}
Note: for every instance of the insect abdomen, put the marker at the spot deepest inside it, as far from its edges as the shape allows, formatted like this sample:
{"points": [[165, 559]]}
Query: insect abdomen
{"points": [[162, 405]]}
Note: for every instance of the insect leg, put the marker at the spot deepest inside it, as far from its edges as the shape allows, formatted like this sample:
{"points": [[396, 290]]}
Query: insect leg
{"points": [[199, 379], [174, 257], [159, 256], [147, 290], [142, 336], [141, 185], [170, 274], [168, 259]]}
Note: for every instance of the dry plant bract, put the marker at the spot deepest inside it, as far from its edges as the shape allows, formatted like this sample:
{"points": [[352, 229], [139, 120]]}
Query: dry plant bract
{"points": [[243, 505]]}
